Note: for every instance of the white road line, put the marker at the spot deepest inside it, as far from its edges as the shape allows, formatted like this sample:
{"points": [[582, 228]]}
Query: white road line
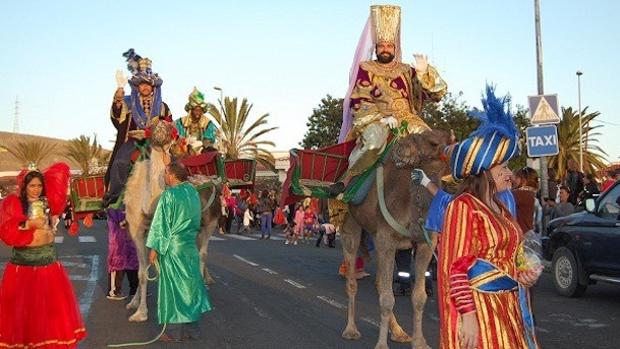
{"points": [[245, 260], [332, 302], [59, 239], [371, 321], [294, 283], [240, 237], [215, 238], [543, 330], [88, 294], [270, 271], [87, 239]]}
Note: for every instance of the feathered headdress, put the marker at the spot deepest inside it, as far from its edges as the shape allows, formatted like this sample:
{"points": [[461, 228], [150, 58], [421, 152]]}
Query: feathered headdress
{"points": [[495, 141], [141, 69]]}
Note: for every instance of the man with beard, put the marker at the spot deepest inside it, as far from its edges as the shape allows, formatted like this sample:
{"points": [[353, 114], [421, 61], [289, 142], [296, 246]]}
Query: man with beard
{"points": [[131, 115], [196, 126], [385, 93]]}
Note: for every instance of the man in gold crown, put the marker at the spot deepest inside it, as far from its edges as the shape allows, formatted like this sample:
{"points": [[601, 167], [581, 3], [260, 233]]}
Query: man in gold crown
{"points": [[385, 93], [196, 126]]}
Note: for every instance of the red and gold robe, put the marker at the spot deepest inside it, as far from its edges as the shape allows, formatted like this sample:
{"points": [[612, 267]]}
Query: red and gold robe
{"points": [[473, 233]]}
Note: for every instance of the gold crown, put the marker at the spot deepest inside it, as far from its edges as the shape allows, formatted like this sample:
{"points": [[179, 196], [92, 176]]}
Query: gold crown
{"points": [[144, 64], [386, 23]]}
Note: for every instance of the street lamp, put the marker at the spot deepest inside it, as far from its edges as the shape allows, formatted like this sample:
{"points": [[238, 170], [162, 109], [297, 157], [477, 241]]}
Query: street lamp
{"points": [[221, 93], [579, 73]]}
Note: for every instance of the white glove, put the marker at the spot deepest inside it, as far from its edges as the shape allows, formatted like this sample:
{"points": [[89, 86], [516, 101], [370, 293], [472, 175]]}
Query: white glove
{"points": [[390, 121], [121, 79], [419, 177], [421, 63]]}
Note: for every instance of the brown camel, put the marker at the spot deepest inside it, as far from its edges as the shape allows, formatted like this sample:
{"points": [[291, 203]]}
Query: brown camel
{"points": [[144, 187], [408, 208]]}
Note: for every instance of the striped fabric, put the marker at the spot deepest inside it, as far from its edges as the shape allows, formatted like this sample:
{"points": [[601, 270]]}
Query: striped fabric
{"points": [[472, 232], [476, 154]]}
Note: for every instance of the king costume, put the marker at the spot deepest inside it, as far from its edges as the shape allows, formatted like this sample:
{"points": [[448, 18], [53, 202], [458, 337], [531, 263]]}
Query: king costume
{"points": [[196, 126], [132, 113], [379, 90], [478, 251]]}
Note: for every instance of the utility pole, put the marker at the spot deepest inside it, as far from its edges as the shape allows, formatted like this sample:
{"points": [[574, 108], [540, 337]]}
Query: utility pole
{"points": [[579, 73], [544, 184], [16, 116]]}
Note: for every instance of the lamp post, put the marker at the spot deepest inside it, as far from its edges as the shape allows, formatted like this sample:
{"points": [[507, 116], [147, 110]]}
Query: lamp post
{"points": [[221, 93], [579, 73], [544, 185]]}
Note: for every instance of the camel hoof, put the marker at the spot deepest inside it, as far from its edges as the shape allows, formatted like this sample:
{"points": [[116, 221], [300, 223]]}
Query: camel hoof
{"points": [[138, 317], [420, 344], [131, 305], [401, 337], [351, 334]]}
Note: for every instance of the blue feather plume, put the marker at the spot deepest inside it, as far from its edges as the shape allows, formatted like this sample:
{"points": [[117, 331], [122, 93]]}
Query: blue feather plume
{"points": [[495, 116]]}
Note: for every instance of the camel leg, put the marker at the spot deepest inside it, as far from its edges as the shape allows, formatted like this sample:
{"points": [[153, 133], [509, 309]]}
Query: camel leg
{"points": [[423, 256], [397, 334], [205, 233], [142, 313], [350, 234], [386, 252]]}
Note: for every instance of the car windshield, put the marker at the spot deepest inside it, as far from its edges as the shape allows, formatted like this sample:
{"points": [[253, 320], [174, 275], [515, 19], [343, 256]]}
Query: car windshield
{"points": [[610, 203]]}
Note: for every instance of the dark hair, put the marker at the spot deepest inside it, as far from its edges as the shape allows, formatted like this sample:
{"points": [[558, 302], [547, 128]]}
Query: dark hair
{"points": [[23, 193], [479, 186], [531, 177], [178, 170], [591, 178], [566, 188]]}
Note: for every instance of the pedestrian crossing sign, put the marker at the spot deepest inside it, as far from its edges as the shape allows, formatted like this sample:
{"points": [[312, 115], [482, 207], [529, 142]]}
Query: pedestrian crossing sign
{"points": [[544, 109]]}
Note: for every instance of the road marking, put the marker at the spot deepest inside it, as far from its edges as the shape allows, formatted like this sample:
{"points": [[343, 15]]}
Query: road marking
{"points": [[543, 330], [88, 294], [371, 321], [215, 238], [245, 260], [270, 271], [59, 239], [294, 283], [332, 302], [87, 239], [241, 237]]}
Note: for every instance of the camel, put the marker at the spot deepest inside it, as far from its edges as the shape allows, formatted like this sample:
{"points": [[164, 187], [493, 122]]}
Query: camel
{"points": [[408, 208], [144, 187]]}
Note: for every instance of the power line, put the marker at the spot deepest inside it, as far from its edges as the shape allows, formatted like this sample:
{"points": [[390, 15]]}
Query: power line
{"points": [[605, 122]]}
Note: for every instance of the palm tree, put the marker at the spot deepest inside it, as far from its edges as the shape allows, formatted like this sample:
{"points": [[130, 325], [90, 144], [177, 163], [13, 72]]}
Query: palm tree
{"points": [[83, 151], [236, 140], [31, 152], [569, 142]]}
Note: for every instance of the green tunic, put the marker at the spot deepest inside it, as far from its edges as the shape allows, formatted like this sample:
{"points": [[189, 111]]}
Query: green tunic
{"points": [[182, 294]]}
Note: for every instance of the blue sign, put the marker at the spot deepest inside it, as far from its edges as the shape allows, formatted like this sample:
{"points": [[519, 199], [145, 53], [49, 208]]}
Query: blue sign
{"points": [[542, 141]]}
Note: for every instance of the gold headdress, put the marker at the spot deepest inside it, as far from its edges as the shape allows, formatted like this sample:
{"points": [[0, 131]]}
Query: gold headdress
{"points": [[386, 23]]}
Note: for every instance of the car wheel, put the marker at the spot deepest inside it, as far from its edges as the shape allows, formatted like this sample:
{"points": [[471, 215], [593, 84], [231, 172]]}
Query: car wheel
{"points": [[565, 271]]}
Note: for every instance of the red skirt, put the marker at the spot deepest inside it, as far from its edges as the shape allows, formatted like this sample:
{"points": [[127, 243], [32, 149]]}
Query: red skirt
{"points": [[38, 308]]}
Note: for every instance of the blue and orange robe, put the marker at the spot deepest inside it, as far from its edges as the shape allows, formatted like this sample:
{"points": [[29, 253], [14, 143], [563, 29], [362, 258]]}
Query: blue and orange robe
{"points": [[477, 273]]}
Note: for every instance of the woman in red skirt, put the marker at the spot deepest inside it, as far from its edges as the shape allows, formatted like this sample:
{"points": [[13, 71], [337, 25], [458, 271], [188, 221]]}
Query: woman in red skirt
{"points": [[37, 304]]}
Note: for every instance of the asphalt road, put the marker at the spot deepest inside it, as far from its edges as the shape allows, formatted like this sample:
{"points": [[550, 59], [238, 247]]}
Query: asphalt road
{"points": [[270, 295]]}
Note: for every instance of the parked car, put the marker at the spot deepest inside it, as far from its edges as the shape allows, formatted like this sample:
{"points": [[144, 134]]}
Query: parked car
{"points": [[584, 247]]}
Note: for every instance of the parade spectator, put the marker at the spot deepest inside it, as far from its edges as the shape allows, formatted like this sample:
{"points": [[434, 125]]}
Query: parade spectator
{"points": [[590, 188], [231, 208], [612, 177], [182, 296], [529, 210], [564, 207], [38, 308], [265, 209], [574, 181], [122, 257], [327, 234], [247, 220]]}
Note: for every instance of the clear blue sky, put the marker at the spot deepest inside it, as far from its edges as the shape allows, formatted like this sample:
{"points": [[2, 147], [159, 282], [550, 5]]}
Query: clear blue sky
{"points": [[59, 57]]}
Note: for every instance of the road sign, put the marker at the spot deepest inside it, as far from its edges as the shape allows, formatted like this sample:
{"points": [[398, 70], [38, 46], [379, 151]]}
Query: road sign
{"points": [[542, 141], [544, 109]]}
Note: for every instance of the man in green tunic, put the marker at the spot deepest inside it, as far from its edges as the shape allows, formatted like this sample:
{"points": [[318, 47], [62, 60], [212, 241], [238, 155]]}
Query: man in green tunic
{"points": [[182, 297]]}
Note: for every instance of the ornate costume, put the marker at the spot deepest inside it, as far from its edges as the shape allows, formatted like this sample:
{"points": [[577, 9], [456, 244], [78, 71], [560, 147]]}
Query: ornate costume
{"points": [[478, 249], [130, 113], [382, 90], [38, 308], [198, 129], [182, 296]]}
